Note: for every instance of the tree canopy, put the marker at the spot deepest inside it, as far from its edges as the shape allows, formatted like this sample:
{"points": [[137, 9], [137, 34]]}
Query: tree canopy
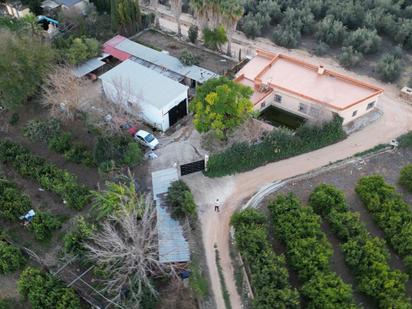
{"points": [[221, 105], [24, 62]]}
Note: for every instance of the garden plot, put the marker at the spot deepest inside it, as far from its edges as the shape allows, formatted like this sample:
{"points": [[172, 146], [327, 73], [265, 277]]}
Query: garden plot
{"points": [[345, 178]]}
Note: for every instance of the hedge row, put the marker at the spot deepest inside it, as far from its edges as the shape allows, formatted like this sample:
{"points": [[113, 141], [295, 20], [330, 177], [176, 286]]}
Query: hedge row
{"points": [[11, 258], [269, 275], [391, 214], [44, 291], [309, 253], [277, 145], [367, 256], [58, 141], [49, 176]]}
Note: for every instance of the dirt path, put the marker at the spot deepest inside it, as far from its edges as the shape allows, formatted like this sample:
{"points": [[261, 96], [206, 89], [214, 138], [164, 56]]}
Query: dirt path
{"points": [[235, 190]]}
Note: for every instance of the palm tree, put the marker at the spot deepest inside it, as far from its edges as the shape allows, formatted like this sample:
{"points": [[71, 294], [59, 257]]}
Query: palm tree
{"points": [[176, 6], [232, 11], [200, 8]]}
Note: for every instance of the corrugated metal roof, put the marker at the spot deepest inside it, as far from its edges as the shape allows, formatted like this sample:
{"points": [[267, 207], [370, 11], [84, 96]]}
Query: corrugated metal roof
{"points": [[163, 60], [88, 66], [173, 247], [145, 84]]}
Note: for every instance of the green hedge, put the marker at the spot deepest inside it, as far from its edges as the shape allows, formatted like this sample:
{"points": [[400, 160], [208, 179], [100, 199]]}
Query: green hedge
{"points": [[44, 291], [309, 253], [277, 145], [51, 132], [389, 211], [49, 176], [367, 256], [13, 202], [269, 276]]}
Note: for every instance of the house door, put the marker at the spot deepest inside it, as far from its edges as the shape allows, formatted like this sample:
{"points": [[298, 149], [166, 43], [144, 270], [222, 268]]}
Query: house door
{"points": [[177, 112]]}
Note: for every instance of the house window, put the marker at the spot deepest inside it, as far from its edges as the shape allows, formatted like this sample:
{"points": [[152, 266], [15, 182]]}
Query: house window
{"points": [[370, 105], [303, 108], [278, 98], [314, 111], [354, 113], [263, 105]]}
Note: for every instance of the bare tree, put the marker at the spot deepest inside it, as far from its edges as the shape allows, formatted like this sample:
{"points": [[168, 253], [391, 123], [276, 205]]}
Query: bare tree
{"points": [[126, 248], [176, 6], [66, 95]]}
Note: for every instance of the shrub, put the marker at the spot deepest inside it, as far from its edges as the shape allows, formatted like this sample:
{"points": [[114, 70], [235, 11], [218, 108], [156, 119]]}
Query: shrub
{"points": [[286, 36], [13, 202], [133, 154], [43, 291], [269, 276], [81, 49], [187, 58], [405, 140], [405, 178], [389, 68], [277, 145], [60, 143], [14, 119], [79, 154], [38, 130], [80, 232], [43, 224], [214, 38], [47, 175], [251, 26], [193, 33], [349, 57], [321, 49], [367, 256], [11, 258], [110, 151], [180, 199], [309, 253]]}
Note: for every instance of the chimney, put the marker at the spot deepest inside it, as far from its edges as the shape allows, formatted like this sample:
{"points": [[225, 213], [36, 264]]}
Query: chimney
{"points": [[321, 70]]}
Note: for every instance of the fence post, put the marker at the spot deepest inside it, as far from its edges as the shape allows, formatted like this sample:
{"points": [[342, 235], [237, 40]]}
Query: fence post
{"points": [[206, 161]]}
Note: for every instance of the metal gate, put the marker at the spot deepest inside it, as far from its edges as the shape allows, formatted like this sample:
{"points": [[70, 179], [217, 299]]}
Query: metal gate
{"points": [[192, 167]]}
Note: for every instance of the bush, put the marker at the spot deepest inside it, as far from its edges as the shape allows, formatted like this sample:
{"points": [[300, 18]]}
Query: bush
{"points": [[286, 37], [321, 49], [180, 199], [278, 145], [13, 202], [250, 26], [14, 119], [39, 130], [349, 57], [330, 30], [60, 143], [79, 154], [405, 178], [47, 175], [367, 256], [193, 33], [80, 232], [133, 155], [214, 38], [81, 49], [11, 258], [187, 58], [389, 68], [269, 276], [43, 224], [43, 291], [309, 253]]}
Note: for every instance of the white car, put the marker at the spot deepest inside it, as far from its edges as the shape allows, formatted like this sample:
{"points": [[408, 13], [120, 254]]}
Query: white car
{"points": [[146, 139]]}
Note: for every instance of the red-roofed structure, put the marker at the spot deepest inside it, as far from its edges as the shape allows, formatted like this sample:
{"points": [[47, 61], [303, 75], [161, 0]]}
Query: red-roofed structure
{"points": [[110, 48]]}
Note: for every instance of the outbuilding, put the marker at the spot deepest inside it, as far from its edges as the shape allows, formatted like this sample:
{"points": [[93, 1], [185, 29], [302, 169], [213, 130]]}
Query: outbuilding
{"points": [[149, 95]]}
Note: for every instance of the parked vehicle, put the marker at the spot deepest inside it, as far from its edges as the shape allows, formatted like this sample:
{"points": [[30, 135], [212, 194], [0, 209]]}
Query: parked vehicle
{"points": [[146, 139]]}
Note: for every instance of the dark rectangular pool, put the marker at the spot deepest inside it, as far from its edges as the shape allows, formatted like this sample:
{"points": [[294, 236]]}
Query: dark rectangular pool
{"points": [[281, 118]]}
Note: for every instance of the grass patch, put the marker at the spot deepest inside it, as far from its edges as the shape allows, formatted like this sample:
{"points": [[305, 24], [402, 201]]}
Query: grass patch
{"points": [[371, 150], [197, 280], [226, 296]]}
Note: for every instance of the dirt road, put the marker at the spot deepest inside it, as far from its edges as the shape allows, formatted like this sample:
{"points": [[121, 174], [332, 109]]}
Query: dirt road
{"points": [[233, 191]]}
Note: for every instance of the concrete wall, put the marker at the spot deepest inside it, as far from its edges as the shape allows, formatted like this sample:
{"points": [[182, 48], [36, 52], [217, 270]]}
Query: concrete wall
{"points": [[314, 110], [12, 11]]}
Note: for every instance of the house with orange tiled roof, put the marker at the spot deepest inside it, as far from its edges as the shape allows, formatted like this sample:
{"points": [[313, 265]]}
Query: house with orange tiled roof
{"points": [[306, 89]]}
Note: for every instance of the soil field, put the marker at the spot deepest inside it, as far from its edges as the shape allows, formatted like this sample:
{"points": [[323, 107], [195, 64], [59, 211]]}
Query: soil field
{"points": [[175, 47], [345, 178]]}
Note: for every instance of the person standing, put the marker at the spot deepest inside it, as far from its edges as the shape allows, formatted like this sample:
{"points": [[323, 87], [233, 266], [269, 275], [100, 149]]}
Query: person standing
{"points": [[217, 205]]}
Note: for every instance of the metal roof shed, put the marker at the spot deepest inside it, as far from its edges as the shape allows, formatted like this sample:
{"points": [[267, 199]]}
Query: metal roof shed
{"points": [[88, 66]]}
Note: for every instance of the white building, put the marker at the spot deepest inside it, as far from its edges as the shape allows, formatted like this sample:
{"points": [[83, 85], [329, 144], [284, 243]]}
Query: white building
{"points": [[159, 100]]}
